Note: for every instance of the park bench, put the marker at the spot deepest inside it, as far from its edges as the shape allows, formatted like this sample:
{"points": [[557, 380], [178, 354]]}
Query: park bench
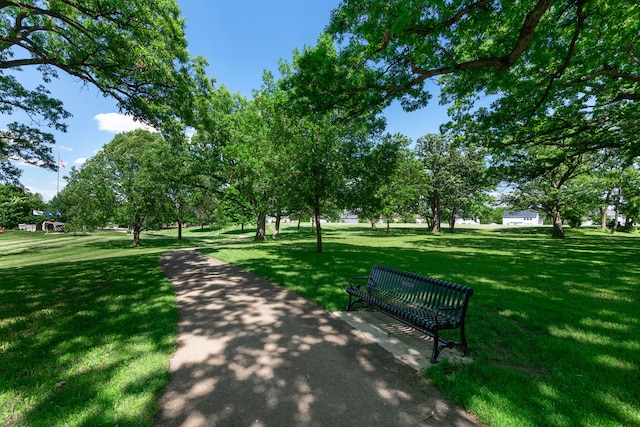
{"points": [[426, 304]]}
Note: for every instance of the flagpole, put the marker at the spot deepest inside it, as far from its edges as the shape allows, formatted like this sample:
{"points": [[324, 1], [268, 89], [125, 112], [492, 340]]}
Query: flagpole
{"points": [[58, 185]]}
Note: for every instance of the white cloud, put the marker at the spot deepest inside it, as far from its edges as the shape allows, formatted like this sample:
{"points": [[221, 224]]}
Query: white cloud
{"points": [[80, 161], [47, 195], [117, 123]]}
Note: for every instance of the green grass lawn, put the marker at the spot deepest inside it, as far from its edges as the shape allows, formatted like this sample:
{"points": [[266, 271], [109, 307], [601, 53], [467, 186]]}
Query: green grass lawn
{"points": [[87, 323], [553, 325], [87, 328]]}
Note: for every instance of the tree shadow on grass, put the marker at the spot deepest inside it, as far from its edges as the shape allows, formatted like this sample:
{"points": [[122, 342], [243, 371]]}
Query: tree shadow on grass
{"points": [[150, 242], [210, 230], [257, 354], [77, 337], [558, 317]]}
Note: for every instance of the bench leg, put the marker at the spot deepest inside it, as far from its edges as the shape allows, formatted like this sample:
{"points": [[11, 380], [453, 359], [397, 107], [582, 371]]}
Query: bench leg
{"points": [[463, 341], [349, 304], [436, 349]]}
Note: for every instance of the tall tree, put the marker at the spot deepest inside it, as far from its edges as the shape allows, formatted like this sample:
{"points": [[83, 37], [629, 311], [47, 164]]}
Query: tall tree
{"points": [[317, 174], [17, 206], [176, 175], [469, 182], [369, 179], [544, 179], [603, 182], [88, 199], [454, 176], [123, 184], [135, 52], [624, 188], [401, 190], [581, 197], [278, 123], [248, 159], [631, 192], [322, 145]]}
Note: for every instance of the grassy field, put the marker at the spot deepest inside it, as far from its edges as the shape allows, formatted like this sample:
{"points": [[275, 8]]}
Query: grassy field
{"points": [[553, 325], [87, 328], [87, 324]]}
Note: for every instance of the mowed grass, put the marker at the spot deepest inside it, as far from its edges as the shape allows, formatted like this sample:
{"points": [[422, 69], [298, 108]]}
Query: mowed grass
{"points": [[553, 325], [88, 324], [87, 328]]}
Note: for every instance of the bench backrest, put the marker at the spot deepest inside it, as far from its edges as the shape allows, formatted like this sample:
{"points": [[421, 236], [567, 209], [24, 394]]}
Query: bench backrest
{"points": [[418, 290]]}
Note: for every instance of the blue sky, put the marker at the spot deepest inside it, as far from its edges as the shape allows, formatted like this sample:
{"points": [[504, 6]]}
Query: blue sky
{"points": [[240, 39]]}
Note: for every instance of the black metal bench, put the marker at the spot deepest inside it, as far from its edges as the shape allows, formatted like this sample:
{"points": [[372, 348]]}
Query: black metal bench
{"points": [[424, 303]]}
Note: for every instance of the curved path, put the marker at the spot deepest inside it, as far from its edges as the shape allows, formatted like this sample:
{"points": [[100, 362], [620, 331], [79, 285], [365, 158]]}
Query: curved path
{"points": [[251, 353]]}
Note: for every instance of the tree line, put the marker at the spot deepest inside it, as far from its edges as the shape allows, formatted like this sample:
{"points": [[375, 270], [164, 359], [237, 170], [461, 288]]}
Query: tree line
{"points": [[560, 134]]}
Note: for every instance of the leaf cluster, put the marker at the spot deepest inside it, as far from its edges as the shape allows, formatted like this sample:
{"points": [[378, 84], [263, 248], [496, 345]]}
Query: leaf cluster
{"points": [[134, 52], [122, 184], [557, 71]]}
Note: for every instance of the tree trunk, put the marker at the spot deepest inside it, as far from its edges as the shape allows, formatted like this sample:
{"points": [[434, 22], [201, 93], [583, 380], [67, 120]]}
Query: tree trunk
{"points": [[276, 233], [136, 235], [260, 231], [603, 218], [388, 227], [437, 215], [179, 229], [373, 224], [558, 232], [299, 220], [615, 220], [318, 231], [452, 221]]}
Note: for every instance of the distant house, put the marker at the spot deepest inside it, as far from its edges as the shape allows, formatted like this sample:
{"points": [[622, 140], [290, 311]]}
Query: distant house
{"points": [[472, 221], [349, 218], [527, 217], [30, 227]]}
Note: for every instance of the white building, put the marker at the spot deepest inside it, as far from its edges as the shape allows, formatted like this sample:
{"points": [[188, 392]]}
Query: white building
{"points": [[527, 217], [30, 227]]}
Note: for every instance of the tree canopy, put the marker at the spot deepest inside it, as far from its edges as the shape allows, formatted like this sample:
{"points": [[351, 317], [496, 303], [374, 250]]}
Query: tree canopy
{"points": [[548, 85], [555, 68], [485, 42], [518, 75], [123, 184], [17, 206], [135, 52]]}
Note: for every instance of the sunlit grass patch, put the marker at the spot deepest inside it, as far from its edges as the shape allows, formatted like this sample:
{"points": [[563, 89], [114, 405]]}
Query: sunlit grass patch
{"points": [[87, 323], [84, 342]]}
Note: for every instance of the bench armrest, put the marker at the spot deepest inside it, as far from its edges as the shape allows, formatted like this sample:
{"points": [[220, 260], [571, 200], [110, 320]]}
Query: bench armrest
{"points": [[442, 312], [357, 278]]}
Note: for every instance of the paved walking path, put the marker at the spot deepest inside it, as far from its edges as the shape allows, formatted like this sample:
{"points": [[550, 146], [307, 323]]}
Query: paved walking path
{"points": [[251, 353]]}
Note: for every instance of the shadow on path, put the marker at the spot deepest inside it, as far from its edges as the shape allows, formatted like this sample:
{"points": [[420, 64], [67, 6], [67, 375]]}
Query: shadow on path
{"points": [[253, 353]]}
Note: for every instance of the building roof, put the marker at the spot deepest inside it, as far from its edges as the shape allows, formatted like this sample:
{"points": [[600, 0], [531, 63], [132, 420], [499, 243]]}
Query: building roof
{"points": [[520, 214]]}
